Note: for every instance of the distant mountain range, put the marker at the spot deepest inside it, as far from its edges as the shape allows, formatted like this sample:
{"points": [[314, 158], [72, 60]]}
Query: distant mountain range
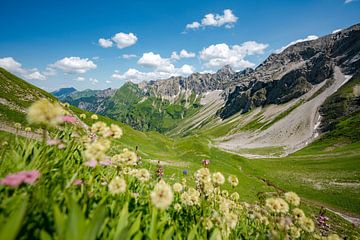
{"points": [[160, 105]]}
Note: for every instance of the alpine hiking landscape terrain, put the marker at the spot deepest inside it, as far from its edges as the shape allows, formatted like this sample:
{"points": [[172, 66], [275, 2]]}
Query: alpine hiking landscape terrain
{"points": [[111, 129]]}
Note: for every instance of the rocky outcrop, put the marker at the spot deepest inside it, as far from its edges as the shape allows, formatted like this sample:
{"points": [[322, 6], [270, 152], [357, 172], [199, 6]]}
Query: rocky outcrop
{"points": [[293, 72]]}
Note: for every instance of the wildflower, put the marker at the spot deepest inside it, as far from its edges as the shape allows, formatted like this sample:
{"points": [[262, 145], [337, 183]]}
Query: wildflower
{"points": [[190, 197], [94, 117], [69, 119], [233, 180], [235, 196], [177, 207], [205, 162], [66, 105], [277, 205], [17, 125], [116, 131], [162, 195], [45, 113], [52, 142], [106, 162], [61, 146], [292, 198], [16, 179], [177, 187], [127, 157], [185, 172], [143, 175], [91, 163], [307, 224], [83, 116], [208, 224], [100, 128], [203, 175], [295, 232], [231, 220], [117, 185], [28, 129], [78, 182], [159, 170], [218, 178], [298, 214], [5, 143], [225, 193], [208, 188], [96, 150]]}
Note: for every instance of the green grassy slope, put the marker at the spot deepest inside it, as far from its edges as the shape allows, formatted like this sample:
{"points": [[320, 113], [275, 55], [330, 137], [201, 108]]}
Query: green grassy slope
{"points": [[132, 106], [15, 96]]}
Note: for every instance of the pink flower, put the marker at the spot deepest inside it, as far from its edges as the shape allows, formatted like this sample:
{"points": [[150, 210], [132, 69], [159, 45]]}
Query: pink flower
{"points": [[69, 119], [91, 163], [16, 179], [205, 162], [52, 142], [30, 177], [106, 162], [78, 182]]}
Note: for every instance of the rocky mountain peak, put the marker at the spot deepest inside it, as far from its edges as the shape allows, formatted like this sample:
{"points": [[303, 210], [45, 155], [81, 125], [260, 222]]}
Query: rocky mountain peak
{"points": [[226, 70]]}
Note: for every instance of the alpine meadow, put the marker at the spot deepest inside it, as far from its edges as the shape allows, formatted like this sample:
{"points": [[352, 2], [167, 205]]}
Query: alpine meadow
{"points": [[180, 120]]}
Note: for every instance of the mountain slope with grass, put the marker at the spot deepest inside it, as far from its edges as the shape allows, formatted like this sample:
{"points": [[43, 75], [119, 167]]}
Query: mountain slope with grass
{"points": [[186, 153]]}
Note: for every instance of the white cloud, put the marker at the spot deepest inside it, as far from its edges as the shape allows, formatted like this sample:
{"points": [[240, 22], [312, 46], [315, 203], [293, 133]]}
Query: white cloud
{"points": [[193, 25], [105, 43], [128, 56], [93, 81], [348, 1], [215, 20], [74, 65], [137, 76], [308, 38], [336, 30], [35, 75], [183, 54], [219, 55], [124, 40], [15, 67], [108, 81], [80, 79], [151, 59]]}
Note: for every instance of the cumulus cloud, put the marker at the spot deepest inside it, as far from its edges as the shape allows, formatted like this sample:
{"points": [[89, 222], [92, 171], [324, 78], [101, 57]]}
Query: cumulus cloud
{"points": [[183, 54], [308, 38], [137, 76], [15, 67], [228, 19], [80, 79], [193, 25], [348, 1], [74, 65], [219, 55], [123, 40], [128, 56], [151, 59], [105, 43]]}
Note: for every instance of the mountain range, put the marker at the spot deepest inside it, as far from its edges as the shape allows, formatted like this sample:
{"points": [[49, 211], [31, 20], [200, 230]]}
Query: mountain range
{"points": [[277, 104]]}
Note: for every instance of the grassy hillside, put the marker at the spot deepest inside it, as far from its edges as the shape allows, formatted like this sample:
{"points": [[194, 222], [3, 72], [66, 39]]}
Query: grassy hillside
{"points": [[132, 106], [16, 95]]}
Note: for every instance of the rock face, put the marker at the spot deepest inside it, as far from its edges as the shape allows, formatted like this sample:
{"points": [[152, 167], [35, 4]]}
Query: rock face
{"points": [[63, 92], [291, 73], [197, 82]]}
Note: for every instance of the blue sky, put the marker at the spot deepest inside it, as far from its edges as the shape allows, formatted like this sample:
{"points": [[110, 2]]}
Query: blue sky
{"points": [[55, 44]]}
